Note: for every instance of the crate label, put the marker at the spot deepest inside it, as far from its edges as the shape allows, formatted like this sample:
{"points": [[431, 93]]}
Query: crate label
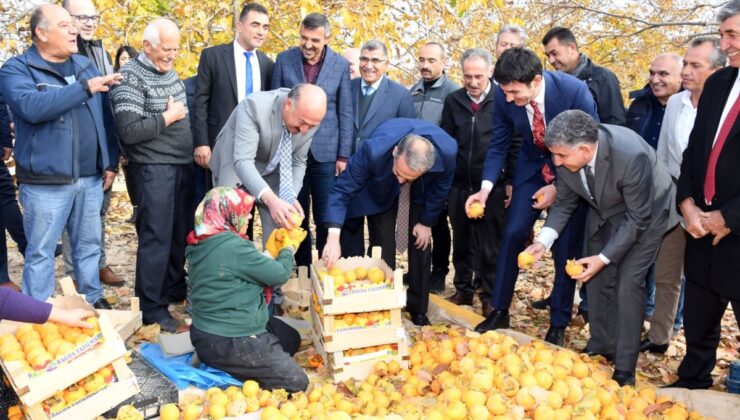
{"points": [[357, 289], [54, 364]]}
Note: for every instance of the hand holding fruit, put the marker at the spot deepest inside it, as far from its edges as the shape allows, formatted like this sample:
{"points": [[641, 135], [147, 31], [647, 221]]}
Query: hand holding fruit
{"points": [[73, 317], [573, 269], [544, 197], [480, 197], [593, 265], [532, 254], [272, 246], [476, 210]]}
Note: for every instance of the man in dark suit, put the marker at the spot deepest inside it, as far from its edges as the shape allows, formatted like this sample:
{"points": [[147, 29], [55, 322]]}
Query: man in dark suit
{"points": [[406, 168], [375, 99], [525, 99], [630, 195], [314, 62], [709, 200], [224, 78]]}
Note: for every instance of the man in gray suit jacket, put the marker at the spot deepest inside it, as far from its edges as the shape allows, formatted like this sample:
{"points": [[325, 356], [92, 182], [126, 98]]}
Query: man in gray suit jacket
{"points": [[247, 155], [630, 196]]}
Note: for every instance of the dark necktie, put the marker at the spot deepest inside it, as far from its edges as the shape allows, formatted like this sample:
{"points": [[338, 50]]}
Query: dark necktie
{"points": [[590, 181], [249, 88], [724, 132], [538, 137], [402, 217]]}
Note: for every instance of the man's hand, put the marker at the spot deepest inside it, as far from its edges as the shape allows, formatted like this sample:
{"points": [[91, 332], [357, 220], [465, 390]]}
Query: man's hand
{"points": [[7, 151], [202, 156], [592, 264], [280, 211], [479, 197], [691, 214], [719, 235], [423, 235], [104, 83], [299, 209], [544, 198], [72, 317], [509, 191], [175, 111], [108, 178], [340, 167], [712, 221], [537, 250], [332, 250]]}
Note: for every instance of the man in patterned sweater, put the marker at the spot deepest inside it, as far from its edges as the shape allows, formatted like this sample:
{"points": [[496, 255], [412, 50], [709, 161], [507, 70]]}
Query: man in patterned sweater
{"points": [[153, 125]]}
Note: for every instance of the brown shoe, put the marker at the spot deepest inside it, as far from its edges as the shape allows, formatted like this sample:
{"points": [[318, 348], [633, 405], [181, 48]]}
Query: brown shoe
{"points": [[486, 309], [108, 277], [461, 299], [11, 285]]}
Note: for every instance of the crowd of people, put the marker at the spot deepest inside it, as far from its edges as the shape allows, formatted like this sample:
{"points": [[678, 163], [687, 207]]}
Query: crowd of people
{"points": [[643, 197]]}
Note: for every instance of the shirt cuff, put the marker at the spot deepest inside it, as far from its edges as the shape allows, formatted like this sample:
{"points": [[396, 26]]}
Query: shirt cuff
{"points": [[343, 159], [335, 230], [486, 185], [547, 237], [606, 261], [262, 191]]}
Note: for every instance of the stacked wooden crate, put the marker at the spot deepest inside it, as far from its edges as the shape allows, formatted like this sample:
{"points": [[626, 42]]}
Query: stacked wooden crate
{"points": [[357, 324]]}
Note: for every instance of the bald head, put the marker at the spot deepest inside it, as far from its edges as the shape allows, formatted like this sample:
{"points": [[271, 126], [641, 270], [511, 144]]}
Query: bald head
{"points": [[304, 108], [353, 56], [161, 41], [85, 17], [665, 75]]}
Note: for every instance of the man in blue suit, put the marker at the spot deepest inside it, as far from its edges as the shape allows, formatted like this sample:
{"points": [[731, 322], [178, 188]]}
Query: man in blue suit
{"points": [[526, 98], [375, 99], [315, 63], [403, 161]]}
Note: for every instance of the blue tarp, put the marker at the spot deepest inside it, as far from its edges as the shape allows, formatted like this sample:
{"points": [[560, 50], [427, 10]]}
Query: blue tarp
{"points": [[178, 369]]}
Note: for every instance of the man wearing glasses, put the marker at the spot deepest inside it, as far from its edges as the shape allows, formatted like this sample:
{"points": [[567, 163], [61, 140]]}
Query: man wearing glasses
{"points": [[86, 19]]}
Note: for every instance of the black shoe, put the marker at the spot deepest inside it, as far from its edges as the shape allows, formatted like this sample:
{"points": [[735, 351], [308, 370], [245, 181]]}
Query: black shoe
{"points": [[497, 319], [461, 299], [683, 383], [622, 377], [102, 304], [542, 303], [58, 250], [419, 319], [591, 353], [168, 325], [555, 335], [437, 282], [650, 347]]}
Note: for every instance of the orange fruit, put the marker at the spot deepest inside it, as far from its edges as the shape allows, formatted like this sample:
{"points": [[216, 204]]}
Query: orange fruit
{"points": [[376, 275], [360, 273], [525, 259], [573, 269], [476, 210]]}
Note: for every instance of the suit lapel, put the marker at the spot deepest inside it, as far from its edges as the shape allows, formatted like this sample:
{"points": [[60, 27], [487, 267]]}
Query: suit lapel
{"points": [[602, 166], [378, 99], [262, 60], [326, 67], [716, 113], [355, 89], [228, 58], [553, 98], [276, 123], [298, 64]]}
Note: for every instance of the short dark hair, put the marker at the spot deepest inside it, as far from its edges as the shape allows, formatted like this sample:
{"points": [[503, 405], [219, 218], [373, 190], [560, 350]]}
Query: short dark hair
{"points": [[517, 65], [38, 20], [131, 51], [563, 35], [374, 45], [316, 20], [252, 7]]}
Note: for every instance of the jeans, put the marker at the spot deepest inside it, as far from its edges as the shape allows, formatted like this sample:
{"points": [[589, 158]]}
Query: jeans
{"points": [[11, 213], [67, 248], [47, 210], [317, 183]]}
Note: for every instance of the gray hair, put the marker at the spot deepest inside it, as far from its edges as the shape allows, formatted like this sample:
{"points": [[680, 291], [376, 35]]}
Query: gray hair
{"points": [[732, 8], [151, 32], [314, 21], [571, 128], [417, 151], [514, 29], [717, 58], [374, 45], [38, 20], [484, 55]]}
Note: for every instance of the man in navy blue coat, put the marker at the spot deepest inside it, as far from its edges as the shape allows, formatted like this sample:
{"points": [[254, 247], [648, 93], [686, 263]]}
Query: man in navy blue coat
{"points": [[526, 94], [399, 151]]}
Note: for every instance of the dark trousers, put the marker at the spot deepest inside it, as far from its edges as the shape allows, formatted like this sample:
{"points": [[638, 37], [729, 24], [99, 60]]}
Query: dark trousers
{"points": [[441, 243], [165, 197], [263, 357], [352, 238], [476, 242], [314, 195], [10, 210], [519, 223], [702, 319]]}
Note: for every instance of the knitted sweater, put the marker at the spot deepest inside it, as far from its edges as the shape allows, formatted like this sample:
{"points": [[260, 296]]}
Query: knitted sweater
{"points": [[138, 103]]}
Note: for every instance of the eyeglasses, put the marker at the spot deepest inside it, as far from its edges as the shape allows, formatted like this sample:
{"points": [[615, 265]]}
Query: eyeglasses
{"points": [[375, 61], [87, 19]]}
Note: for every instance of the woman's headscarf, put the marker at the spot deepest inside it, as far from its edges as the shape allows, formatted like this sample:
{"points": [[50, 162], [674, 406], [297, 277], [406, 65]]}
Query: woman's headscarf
{"points": [[223, 209]]}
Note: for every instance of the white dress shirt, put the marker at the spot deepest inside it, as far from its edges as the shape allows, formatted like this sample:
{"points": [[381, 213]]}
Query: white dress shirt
{"points": [[734, 92], [674, 136], [240, 60], [373, 88]]}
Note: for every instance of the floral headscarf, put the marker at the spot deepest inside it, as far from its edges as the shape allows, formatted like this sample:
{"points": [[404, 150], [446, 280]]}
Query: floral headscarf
{"points": [[223, 209]]}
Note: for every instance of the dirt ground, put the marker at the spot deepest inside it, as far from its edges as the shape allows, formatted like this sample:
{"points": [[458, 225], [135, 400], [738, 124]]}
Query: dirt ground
{"points": [[121, 243]]}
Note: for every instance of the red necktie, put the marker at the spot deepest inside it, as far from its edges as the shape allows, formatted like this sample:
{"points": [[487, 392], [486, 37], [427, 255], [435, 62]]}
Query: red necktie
{"points": [[538, 137], [724, 132]]}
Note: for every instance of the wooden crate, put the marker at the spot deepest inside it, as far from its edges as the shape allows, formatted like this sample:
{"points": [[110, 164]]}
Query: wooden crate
{"points": [[337, 340], [33, 388], [297, 291], [125, 322], [359, 367], [393, 297], [124, 387]]}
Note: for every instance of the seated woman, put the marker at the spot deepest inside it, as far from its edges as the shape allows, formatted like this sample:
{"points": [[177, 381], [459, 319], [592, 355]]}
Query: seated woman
{"points": [[227, 281]]}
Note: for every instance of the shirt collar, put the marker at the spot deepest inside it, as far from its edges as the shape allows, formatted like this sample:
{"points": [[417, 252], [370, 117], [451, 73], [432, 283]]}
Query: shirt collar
{"points": [[592, 162], [318, 63], [239, 50], [540, 98], [483, 95], [375, 85]]}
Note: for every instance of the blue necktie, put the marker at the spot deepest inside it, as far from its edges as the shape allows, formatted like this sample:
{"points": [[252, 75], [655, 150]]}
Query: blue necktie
{"points": [[285, 151], [368, 90], [249, 87]]}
